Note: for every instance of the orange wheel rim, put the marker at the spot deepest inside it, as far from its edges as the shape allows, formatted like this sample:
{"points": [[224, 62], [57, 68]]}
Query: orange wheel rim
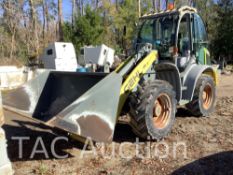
{"points": [[162, 111], [207, 96]]}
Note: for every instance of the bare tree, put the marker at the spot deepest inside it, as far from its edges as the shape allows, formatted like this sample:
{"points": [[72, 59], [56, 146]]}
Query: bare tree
{"points": [[44, 18], [33, 21], [96, 4], [47, 14], [82, 7], [74, 11], [78, 7], [159, 5], [139, 8], [11, 18], [154, 5], [22, 32], [117, 5], [60, 21]]}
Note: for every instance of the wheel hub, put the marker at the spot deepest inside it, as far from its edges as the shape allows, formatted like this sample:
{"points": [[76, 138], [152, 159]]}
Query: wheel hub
{"points": [[207, 96], [162, 111], [158, 108]]}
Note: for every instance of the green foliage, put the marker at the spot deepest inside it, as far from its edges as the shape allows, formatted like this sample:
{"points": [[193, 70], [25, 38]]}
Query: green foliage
{"points": [[223, 40], [146, 6], [104, 26], [126, 16], [87, 29]]}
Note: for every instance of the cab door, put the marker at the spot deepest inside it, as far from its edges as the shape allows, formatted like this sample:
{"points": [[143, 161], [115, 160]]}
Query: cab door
{"points": [[200, 42]]}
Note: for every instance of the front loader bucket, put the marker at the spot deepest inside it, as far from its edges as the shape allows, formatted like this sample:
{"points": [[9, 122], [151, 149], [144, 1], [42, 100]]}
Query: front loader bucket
{"points": [[84, 104]]}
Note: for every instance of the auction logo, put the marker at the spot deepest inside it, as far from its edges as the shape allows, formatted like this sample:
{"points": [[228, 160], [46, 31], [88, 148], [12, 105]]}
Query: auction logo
{"points": [[125, 150]]}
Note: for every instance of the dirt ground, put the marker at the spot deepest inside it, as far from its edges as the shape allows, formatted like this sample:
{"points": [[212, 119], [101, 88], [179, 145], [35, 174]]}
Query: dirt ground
{"points": [[196, 146]]}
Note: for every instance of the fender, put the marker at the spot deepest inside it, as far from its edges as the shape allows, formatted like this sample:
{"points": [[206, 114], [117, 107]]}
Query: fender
{"points": [[192, 76], [169, 72]]}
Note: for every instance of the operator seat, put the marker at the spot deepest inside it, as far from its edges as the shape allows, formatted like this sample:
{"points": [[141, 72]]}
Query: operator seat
{"points": [[183, 52]]}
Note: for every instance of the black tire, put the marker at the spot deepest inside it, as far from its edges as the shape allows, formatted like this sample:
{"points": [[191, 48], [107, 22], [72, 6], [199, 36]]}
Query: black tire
{"points": [[143, 110], [204, 97]]}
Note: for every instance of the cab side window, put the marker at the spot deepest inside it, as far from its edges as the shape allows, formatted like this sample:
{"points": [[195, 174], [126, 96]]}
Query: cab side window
{"points": [[200, 43], [146, 34], [183, 36], [199, 29]]}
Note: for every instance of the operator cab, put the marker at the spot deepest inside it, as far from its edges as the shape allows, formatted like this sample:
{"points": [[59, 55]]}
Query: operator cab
{"points": [[178, 35], [160, 32]]}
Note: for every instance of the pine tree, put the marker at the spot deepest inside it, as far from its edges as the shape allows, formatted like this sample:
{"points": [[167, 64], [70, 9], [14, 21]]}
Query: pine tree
{"points": [[223, 42]]}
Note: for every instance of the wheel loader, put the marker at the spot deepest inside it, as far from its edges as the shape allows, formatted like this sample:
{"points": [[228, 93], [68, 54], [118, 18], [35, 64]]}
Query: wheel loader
{"points": [[170, 68]]}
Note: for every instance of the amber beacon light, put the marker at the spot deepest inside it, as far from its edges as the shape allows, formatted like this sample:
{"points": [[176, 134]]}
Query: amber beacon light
{"points": [[170, 5]]}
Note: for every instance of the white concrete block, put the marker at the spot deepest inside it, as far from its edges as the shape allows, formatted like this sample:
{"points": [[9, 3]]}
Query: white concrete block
{"points": [[5, 164]]}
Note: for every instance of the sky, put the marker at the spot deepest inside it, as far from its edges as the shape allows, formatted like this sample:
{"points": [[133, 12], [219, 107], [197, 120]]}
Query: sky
{"points": [[67, 9]]}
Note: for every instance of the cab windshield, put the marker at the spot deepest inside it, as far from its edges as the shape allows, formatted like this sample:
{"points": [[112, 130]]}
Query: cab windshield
{"points": [[160, 32]]}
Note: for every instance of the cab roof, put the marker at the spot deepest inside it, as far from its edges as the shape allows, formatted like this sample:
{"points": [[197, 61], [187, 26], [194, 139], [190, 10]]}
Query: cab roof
{"points": [[181, 10]]}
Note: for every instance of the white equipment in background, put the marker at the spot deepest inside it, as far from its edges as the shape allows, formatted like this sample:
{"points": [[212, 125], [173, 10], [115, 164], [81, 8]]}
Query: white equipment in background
{"points": [[60, 56], [98, 55], [12, 77]]}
